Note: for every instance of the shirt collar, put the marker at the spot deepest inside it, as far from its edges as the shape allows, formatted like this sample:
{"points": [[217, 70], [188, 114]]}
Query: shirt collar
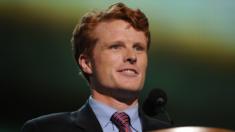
{"points": [[104, 112]]}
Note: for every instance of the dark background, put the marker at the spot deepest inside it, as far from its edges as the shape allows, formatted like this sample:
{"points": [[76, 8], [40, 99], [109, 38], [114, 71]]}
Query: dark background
{"points": [[191, 58]]}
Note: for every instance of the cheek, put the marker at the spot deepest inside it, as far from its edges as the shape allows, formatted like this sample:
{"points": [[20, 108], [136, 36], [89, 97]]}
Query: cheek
{"points": [[144, 62], [107, 62]]}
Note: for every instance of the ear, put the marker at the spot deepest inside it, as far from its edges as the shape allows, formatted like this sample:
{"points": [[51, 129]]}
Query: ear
{"points": [[85, 63]]}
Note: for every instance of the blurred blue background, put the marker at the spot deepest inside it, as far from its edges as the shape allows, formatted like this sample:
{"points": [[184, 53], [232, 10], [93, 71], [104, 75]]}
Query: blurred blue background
{"points": [[192, 58]]}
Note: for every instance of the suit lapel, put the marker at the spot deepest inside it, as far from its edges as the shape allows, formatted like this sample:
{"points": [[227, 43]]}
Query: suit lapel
{"points": [[86, 119]]}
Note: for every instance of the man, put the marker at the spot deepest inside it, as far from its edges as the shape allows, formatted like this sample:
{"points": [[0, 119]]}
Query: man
{"points": [[111, 49]]}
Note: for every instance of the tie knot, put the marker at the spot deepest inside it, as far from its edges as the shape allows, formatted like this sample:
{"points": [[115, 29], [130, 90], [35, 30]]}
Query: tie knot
{"points": [[122, 121]]}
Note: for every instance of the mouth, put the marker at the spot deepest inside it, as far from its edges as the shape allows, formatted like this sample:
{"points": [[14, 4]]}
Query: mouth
{"points": [[129, 72]]}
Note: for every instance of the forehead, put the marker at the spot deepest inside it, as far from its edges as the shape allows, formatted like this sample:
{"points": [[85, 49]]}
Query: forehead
{"points": [[111, 24], [118, 29]]}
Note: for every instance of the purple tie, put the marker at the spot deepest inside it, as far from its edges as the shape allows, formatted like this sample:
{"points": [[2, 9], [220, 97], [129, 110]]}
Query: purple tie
{"points": [[122, 121]]}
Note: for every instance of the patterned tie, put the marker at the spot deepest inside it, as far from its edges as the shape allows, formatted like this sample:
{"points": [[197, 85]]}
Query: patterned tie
{"points": [[122, 121]]}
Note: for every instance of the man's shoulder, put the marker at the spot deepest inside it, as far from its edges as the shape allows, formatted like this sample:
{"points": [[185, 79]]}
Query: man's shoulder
{"points": [[52, 118], [160, 122], [150, 123], [58, 122], [77, 121]]}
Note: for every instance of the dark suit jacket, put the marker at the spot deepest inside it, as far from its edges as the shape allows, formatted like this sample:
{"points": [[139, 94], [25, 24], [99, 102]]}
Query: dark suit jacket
{"points": [[83, 120]]}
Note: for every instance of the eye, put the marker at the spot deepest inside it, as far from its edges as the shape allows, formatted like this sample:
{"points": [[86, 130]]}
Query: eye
{"points": [[139, 48], [115, 46]]}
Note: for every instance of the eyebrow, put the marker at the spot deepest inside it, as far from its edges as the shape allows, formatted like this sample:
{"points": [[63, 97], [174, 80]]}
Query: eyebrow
{"points": [[116, 42], [107, 44], [140, 44]]}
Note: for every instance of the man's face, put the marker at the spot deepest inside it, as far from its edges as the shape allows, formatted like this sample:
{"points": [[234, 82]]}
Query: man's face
{"points": [[119, 59]]}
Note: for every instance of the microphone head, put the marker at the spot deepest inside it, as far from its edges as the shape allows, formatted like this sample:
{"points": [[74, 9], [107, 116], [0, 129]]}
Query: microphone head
{"points": [[155, 101]]}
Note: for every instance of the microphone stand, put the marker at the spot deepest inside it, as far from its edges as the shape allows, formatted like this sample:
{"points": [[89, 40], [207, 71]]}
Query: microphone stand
{"points": [[167, 116], [165, 113]]}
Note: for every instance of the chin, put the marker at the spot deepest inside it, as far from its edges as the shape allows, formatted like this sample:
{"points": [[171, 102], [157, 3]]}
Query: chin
{"points": [[131, 88]]}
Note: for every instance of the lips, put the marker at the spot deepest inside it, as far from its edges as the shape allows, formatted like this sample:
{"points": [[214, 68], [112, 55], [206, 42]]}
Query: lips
{"points": [[129, 72]]}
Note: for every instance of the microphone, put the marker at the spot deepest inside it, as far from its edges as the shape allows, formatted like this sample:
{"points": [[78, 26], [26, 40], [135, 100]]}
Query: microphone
{"points": [[155, 104]]}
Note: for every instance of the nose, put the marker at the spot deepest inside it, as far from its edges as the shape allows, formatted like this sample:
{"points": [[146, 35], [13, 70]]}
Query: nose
{"points": [[130, 56]]}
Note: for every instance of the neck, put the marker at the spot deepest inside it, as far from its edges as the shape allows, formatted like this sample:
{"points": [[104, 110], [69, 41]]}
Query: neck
{"points": [[119, 103]]}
